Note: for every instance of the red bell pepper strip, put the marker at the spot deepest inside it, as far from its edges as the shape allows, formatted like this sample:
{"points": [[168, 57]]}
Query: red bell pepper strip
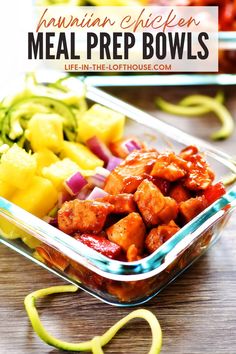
{"points": [[214, 192], [101, 245]]}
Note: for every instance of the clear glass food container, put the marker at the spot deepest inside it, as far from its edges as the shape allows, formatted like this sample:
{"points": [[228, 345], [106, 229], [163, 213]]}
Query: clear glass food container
{"points": [[122, 283]]}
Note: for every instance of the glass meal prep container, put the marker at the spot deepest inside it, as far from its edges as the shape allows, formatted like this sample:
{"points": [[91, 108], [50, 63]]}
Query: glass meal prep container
{"points": [[122, 283]]}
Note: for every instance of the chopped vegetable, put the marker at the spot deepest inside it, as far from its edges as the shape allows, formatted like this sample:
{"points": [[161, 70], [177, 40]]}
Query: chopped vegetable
{"points": [[211, 104], [45, 131], [96, 193], [6, 189], [19, 115], [59, 171], [123, 147], [81, 155], [44, 158], [113, 163], [99, 149], [132, 145], [31, 241], [95, 345], [104, 123], [17, 167], [39, 197], [85, 191], [75, 183], [214, 192], [98, 179], [63, 196], [100, 244]]}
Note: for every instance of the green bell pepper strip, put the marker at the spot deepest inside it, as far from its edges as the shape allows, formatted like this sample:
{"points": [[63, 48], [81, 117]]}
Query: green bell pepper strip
{"points": [[95, 345]]}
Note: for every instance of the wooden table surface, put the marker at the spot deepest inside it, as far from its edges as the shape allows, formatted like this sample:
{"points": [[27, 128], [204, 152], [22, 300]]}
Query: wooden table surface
{"points": [[197, 312]]}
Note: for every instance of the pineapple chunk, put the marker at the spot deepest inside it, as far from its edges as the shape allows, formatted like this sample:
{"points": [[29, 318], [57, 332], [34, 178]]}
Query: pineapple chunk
{"points": [[10, 231], [59, 171], [17, 167], [102, 122], [81, 155], [44, 158], [6, 189], [45, 131], [39, 198], [31, 241]]}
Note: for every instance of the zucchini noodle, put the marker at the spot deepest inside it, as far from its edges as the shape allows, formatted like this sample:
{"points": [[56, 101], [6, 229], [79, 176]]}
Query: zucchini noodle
{"points": [[198, 105], [184, 109], [95, 345]]}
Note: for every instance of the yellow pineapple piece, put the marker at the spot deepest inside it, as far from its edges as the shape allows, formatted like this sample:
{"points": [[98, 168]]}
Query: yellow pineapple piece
{"points": [[101, 122], [10, 231], [39, 198], [80, 154], [45, 131], [6, 189], [31, 242], [17, 167], [44, 158], [59, 171]]}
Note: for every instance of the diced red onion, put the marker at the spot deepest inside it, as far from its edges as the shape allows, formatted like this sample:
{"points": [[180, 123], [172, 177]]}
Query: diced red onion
{"points": [[54, 222], [63, 197], [51, 221], [97, 193], [97, 180], [113, 162], [75, 183], [85, 191], [99, 148], [131, 145], [102, 171]]}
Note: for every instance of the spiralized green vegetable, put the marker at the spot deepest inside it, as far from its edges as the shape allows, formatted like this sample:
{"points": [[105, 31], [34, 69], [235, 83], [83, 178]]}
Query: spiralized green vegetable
{"points": [[185, 108], [95, 345], [198, 105]]}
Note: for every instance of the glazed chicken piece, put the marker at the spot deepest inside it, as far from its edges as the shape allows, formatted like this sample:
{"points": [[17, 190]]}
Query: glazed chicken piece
{"points": [[126, 177], [154, 207], [53, 257], [161, 183], [200, 176], [179, 193], [188, 151], [121, 148], [170, 211], [154, 240], [169, 166], [100, 244], [83, 216], [192, 207], [158, 235], [133, 254], [123, 203], [128, 231]]}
